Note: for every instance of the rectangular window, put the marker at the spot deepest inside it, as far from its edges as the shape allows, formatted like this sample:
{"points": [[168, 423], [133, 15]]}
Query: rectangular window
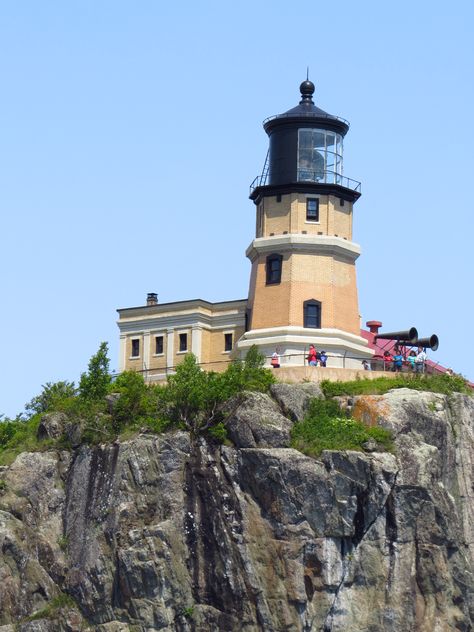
{"points": [[183, 342], [312, 210], [228, 342], [135, 348], [312, 314], [158, 345], [273, 268], [341, 201]]}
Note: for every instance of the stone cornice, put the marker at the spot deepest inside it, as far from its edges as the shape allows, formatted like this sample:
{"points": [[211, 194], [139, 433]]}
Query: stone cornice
{"points": [[159, 323], [310, 244], [191, 305]]}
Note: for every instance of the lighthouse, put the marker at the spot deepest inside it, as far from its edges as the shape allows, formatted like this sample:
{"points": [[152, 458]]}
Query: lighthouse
{"points": [[303, 287]]}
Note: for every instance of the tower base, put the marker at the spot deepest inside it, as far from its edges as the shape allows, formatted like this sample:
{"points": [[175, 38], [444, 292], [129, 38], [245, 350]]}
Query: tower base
{"points": [[344, 350]]}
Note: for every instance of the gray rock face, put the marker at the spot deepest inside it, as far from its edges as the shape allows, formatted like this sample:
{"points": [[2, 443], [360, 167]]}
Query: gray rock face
{"points": [[51, 425], [295, 398], [158, 533], [255, 420]]}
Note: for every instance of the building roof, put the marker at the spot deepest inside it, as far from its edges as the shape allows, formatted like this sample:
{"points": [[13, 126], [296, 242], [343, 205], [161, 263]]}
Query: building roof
{"points": [[178, 305], [307, 109], [382, 345]]}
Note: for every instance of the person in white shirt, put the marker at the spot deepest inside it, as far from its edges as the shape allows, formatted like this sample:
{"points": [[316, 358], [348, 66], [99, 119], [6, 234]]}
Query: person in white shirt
{"points": [[420, 361]]}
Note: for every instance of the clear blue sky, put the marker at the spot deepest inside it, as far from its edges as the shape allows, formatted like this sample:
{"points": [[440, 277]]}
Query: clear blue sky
{"points": [[130, 132]]}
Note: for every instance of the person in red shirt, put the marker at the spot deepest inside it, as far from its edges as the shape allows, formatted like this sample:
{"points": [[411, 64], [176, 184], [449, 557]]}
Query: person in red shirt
{"points": [[312, 356], [387, 361]]}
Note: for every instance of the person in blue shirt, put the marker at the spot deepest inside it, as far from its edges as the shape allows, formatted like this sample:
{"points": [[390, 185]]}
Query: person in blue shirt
{"points": [[397, 360], [411, 359], [322, 358]]}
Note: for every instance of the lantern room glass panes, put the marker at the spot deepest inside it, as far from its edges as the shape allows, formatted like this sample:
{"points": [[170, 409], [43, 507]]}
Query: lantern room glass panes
{"points": [[319, 156]]}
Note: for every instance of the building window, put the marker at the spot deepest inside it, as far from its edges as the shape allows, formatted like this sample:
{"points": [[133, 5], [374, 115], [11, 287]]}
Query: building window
{"points": [[279, 197], [274, 264], [319, 156], [183, 342], [312, 210], [228, 342], [312, 314], [135, 348], [341, 201], [158, 345]]}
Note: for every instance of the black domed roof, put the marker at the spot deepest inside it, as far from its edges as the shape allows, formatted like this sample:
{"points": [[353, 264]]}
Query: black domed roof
{"points": [[307, 110]]}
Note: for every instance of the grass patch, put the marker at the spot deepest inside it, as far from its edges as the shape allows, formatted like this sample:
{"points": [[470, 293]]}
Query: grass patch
{"points": [[49, 611], [444, 384], [325, 428], [63, 542], [20, 436]]}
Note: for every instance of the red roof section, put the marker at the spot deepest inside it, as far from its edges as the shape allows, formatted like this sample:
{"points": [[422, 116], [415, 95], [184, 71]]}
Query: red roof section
{"points": [[382, 345]]}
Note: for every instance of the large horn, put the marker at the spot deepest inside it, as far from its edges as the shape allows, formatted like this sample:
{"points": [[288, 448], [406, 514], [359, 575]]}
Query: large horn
{"points": [[428, 343], [410, 335]]}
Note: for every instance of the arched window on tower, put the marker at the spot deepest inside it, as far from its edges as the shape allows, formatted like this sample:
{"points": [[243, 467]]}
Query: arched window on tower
{"points": [[273, 268], [312, 314]]}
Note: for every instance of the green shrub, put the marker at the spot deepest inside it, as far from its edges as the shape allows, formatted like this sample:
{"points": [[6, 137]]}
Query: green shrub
{"points": [[53, 606], [218, 432], [325, 428], [434, 383], [194, 397], [51, 397], [130, 405], [248, 374], [7, 431], [94, 384]]}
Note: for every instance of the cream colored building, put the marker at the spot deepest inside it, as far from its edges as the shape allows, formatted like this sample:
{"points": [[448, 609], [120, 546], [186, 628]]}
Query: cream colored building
{"points": [[303, 285], [154, 338]]}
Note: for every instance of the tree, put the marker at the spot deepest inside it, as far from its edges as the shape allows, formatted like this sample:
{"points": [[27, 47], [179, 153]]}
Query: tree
{"points": [[192, 396], [249, 374], [50, 397], [94, 384]]}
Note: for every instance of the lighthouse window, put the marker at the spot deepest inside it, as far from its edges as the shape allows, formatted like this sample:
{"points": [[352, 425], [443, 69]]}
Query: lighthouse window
{"points": [[273, 269], [312, 314], [312, 210], [319, 156]]}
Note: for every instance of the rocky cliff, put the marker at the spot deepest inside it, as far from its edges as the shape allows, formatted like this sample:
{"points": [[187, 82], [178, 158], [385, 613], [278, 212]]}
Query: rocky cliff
{"points": [[161, 533]]}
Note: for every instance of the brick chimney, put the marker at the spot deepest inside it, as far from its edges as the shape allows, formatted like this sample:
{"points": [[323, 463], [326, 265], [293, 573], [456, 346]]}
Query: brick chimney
{"points": [[374, 326], [152, 298]]}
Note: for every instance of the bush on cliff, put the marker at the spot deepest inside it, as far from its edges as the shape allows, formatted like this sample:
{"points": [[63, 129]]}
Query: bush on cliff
{"points": [[325, 428], [434, 383], [51, 397], [94, 384], [191, 398], [19, 435], [138, 405], [194, 397]]}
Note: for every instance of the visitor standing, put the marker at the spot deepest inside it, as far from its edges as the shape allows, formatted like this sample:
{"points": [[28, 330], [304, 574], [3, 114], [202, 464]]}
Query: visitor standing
{"points": [[420, 360], [275, 361], [312, 356]]}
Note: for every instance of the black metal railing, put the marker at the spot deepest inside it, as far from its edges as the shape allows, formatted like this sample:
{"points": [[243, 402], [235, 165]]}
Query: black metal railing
{"points": [[287, 360], [318, 177], [319, 115]]}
